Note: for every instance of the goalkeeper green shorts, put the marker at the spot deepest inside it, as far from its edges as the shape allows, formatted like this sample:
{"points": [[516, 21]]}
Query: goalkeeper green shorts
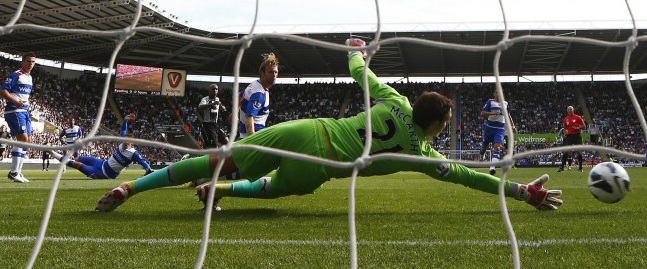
{"points": [[293, 176]]}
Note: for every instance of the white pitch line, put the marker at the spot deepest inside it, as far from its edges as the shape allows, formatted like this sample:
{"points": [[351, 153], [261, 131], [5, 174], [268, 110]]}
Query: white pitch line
{"points": [[626, 241]]}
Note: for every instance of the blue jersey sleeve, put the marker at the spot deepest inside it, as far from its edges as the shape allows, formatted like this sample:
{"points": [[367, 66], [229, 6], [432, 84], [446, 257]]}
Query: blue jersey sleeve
{"points": [[9, 82], [124, 128], [255, 104], [141, 161], [487, 107]]}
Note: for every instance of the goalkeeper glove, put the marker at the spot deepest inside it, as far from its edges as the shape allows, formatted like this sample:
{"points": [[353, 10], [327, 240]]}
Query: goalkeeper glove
{"points": [[536, 195], [148, 172], [356, 42]]}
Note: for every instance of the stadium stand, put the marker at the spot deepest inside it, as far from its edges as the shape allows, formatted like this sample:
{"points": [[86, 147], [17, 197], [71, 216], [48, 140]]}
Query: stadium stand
{"points": [[537, 108]]}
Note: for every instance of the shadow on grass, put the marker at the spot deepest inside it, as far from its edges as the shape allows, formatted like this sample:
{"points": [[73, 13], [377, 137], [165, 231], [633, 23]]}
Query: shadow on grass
{"points": [[138, 215], [235, 214], [270, 213]]}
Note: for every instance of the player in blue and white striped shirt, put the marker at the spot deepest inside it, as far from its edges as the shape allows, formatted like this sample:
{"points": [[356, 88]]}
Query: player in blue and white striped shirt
{"points": [[494, 128], [125, 154], [255, 99], [70, 134], [16, 89]]}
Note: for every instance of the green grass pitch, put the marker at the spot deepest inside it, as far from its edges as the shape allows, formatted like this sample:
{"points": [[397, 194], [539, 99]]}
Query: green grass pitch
{"points": [[405, 220]]}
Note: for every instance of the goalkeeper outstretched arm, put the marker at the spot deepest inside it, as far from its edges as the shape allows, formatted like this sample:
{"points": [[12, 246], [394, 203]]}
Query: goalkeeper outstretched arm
{"points": [[532, 193]]}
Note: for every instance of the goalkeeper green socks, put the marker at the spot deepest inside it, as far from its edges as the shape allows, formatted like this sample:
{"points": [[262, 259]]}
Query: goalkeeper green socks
{"points": [[260, 188], [174, 174]]}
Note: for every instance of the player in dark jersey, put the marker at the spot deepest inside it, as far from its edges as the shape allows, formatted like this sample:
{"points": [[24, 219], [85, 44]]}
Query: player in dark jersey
{"points": [[397, 127], [4, 134], [208, 110], [45, 156]]}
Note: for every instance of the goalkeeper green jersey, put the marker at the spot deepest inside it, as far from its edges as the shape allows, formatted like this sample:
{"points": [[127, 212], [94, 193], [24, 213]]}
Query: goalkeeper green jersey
{"points": [[343, 140], [393, 132], [393, 129]]}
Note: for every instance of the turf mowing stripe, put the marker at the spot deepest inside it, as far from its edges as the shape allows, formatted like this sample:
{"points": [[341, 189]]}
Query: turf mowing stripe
{"points": [[627, 241]]}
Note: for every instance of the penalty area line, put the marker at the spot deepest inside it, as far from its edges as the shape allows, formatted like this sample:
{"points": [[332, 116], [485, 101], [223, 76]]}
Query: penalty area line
{"points": [[161, 241]]}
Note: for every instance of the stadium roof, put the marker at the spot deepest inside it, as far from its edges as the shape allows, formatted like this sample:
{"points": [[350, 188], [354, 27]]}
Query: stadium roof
{"points": [[403, 59]]}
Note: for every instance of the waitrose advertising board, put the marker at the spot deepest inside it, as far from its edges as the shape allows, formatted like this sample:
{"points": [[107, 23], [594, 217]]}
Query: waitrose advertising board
{"points": [[548, 139]]}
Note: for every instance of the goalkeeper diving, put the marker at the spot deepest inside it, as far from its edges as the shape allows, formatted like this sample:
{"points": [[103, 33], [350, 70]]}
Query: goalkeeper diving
{"points": [[397, 127]]}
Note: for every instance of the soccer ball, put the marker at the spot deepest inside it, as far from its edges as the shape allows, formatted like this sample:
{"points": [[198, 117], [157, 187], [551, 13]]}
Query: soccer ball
{"points": [[608, 182]]}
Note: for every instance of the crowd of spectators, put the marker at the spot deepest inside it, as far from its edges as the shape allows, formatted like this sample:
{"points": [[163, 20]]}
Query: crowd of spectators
{"points": [[611, 109], [55, 100], [537, 108]]}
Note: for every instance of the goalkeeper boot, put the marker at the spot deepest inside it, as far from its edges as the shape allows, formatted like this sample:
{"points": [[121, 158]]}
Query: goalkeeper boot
{"points": [[203, 193], [196, 182], [190, 184], [113, 199]]}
